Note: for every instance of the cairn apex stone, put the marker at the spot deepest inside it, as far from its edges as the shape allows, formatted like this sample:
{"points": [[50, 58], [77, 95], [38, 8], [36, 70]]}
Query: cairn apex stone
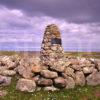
{"points": [[51, 48]]}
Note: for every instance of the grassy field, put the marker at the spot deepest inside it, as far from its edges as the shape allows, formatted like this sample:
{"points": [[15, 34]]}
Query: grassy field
{"points": [[80, 54], [79, 93], [84, 54]]}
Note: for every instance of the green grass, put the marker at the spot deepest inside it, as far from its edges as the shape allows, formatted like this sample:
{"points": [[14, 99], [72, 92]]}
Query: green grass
{"points": [[80, 54], [79, 93], [84, 54]]}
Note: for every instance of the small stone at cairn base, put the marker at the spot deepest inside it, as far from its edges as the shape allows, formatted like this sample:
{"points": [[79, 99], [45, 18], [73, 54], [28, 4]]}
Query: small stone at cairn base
{"points": [[52, 53]]}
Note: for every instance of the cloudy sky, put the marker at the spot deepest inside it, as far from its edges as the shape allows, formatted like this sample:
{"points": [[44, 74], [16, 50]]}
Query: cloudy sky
{"points": [[22, 23]]}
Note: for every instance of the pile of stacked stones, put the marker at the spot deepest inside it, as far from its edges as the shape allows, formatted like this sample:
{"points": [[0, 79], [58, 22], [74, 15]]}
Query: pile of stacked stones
{"points": [[36, 76], [52, 70], [52, 53]]}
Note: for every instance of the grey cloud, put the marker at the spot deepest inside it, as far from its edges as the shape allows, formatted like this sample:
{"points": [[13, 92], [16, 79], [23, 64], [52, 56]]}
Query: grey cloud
{"points": [[22, 24], [72, 10], [10, 19]]}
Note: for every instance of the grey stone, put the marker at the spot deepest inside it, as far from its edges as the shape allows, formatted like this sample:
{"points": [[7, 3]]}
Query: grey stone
{"points": [[50, 88], [74, 61], [36, 78], [38, 88], [69, 71], [49, 74], [7, 72], [36, 69], [25, 71], [34, 61], [86, 63], [88, 70], [11, 65], [93, 79], [97, 62], [60, 82], [7, 63], [26, 85], [5, 81], [24, 68], [45, 82], [67, 63], [70, 83], [58, 66], [80, 78], [76, 67], [98, 66], [54, 48]]}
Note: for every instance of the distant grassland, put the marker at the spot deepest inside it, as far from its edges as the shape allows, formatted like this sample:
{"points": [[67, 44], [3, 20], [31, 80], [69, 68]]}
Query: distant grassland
{"points": [[84, 54], [36, 53]]}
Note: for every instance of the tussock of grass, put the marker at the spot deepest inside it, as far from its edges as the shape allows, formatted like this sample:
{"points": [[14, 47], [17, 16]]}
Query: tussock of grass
{"points": [[8, 53]]}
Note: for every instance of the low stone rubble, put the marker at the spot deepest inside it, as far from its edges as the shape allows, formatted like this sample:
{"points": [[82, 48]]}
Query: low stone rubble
{"points": [[34, 76], [26, 85]]}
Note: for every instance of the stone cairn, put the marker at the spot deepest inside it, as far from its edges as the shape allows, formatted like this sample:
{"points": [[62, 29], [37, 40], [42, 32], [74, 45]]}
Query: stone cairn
{"points": [[52, 53], [50, 71]]}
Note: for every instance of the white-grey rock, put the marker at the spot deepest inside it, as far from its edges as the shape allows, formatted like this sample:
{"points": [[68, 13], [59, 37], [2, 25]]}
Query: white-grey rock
{"points": [[97, 62], [8, 63], [60, 82], [67, 63], [26, 85], [11, 65], [88, 70], [45, 82], [36, 69], [69, 71], [36, 78], [70, 83], [93, 79], [50, 88], [58, 66], [49, 74], [34, 61], [7, 72], [86, 63], [76, 67], [54, 48], [80, 78], [5, 81], [25, 71], [98, 66], [38, 88]]}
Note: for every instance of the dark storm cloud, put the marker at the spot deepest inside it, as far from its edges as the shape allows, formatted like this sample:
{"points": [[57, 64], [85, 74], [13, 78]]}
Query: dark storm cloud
{"points": [[71, 10]]}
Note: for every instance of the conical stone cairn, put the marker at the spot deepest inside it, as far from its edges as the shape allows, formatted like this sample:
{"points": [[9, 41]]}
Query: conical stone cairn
{"points": [[52, 53]]}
